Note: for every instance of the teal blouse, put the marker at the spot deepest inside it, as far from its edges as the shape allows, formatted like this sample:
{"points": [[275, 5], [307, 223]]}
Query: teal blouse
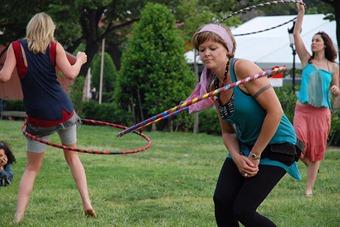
{"points": [[314, 89], [248, 117]]}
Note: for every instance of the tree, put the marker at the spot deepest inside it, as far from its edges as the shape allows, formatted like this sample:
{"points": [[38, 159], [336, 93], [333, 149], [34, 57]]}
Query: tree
{"points": [[77, 21], [336, 7], [109, 75], [154, 75]]}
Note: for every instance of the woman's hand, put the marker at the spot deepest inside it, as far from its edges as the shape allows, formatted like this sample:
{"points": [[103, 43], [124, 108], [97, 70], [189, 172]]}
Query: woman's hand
{"points": [[301, 7], [82, 57], [335, 90], [246, 166]]}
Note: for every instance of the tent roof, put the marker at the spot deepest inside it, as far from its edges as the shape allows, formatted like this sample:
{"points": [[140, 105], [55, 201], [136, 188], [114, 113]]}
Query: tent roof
{"points": [[271, 47]]}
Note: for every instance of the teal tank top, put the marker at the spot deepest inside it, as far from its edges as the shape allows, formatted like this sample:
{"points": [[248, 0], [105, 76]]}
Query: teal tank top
{"points": [[247, 116], [314, 89]]}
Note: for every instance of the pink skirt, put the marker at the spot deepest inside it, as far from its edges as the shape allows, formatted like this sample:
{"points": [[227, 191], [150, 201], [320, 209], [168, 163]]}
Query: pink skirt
{"points": [[312, 126]]}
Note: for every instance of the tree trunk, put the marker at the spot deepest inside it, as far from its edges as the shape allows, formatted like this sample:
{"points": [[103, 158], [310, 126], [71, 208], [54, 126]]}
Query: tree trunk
{"points": [[154, 128], [89, 22], [196, 122]]}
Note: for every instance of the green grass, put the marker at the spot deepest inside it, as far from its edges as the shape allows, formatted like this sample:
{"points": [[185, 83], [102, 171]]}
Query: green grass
{"points": [[169, 185]]}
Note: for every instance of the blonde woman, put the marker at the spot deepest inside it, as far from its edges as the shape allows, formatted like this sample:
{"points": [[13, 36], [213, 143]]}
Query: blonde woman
{"points": [[319, 79], [48, 107]]}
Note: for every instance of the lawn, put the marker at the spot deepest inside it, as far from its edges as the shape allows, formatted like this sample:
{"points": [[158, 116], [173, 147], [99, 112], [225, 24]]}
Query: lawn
{"points": [[170, 184]]}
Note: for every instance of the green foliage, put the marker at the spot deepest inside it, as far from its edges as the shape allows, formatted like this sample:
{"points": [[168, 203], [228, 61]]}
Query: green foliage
{"points": [[76, 93], [334, 138], [109, 76], [208, 122], [105, 112], [287, 99], [14, 105], [68, 27], [154, 74], [195, 13]]}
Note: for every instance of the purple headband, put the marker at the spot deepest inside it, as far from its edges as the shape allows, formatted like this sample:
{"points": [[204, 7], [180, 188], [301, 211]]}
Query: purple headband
{"points": [[221, 32]]}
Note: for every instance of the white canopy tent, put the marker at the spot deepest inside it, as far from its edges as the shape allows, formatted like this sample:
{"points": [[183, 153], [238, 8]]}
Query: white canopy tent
{"points": [[271, 48]]}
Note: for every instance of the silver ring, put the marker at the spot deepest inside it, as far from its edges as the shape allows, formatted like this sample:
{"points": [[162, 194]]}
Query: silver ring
{"points": [[245, 174]]}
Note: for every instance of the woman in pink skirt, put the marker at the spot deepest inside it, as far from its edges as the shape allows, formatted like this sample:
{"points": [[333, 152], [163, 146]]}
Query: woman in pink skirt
{"points": [[319, 79]]}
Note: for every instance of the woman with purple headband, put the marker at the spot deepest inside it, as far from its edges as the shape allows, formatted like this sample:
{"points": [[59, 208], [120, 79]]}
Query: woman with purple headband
{"points": [[259, 137]]}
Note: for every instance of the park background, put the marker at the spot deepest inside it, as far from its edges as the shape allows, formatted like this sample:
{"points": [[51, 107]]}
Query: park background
{"points": [[144, 73]]}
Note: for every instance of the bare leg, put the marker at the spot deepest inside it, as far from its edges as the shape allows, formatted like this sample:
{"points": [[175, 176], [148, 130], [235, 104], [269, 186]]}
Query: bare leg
{"points": [[79, 177], [34, 161], [305, 161], [312, 173]]}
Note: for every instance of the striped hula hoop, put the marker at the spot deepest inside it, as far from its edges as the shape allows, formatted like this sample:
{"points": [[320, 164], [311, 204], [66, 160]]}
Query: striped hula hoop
{"points": [[94, 151], [181, 107]]}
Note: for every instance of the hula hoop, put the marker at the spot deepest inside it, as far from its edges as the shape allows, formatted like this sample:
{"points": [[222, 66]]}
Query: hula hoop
{"points": [[182, 107], [93, 151], [249, 8]]}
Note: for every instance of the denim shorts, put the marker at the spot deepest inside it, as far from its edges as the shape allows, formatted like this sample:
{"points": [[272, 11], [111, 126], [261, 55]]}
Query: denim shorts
{"points": [[67, 133]]}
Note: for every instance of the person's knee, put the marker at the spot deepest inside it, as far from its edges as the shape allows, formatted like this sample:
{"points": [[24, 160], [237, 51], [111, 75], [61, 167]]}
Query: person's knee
{"points": [[222, 200], [243, 213], [71, 157]]}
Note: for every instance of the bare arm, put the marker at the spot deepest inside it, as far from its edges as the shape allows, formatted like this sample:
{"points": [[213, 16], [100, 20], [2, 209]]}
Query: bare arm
{"points": [[230, 141], [300, 46], [229, 138], [267, 99], [70, 71], [336, 81], [9, 65]]}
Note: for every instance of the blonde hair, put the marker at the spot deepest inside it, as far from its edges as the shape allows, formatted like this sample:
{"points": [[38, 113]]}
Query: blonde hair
{"points": [[40, 32], [201, 37]]}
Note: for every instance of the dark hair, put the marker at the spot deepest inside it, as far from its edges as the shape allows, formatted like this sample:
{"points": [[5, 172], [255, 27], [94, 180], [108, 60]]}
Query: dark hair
{"points": [[330, 51], [8, 152]]}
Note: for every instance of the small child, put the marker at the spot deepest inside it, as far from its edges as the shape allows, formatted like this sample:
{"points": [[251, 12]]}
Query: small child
{"points": [[6, 160]]}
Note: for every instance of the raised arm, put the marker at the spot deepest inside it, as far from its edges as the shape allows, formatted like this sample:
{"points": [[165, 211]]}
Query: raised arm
{"points": [[9, 65], [300, 46], [70, 71]]}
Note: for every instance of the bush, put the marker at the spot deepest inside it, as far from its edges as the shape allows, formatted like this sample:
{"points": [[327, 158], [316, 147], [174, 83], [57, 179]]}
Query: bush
{"points": [[334, 136], [287, 99], [209, 122], [76, 93], [154, 74], [105, 112], [109, 76], [14, 105]]}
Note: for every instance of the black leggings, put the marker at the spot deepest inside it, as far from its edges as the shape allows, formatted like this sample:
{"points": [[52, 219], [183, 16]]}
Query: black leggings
{"points": [[236, 198]]}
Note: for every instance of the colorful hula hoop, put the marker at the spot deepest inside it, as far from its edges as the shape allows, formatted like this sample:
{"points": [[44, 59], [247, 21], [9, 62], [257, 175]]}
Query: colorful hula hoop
{"points": [[249, 8], [179, 108], [93, 151]]}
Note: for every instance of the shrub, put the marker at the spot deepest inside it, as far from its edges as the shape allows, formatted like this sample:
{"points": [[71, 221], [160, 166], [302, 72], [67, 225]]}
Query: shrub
{"points": [[154, 75], [105, 112], [109, 76], [287, 99]]}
